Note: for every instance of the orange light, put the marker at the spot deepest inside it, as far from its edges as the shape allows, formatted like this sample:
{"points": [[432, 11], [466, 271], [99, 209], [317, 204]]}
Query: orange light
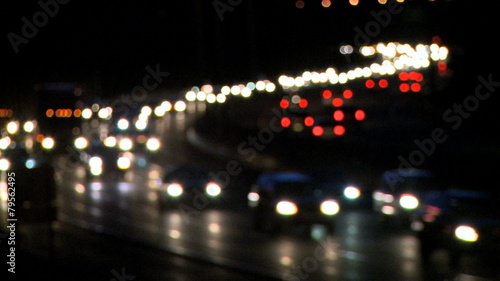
{"points": [[339, 130], [39, 137], [318, 131], [77, 113], [404, 87], [326, 3], [359, 115], [369, 84], [327, 94], [49, 113], [415, 87], [284, 104], [337, 102], [338, 115], [68, 113], [286, 122], [354, 2], [303, 103], [58, 113], [383, 83], [348, 94], [308, 121]]}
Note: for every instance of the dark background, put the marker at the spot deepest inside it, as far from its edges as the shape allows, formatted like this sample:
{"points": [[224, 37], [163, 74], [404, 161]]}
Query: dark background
{"points": [[106, 45]]}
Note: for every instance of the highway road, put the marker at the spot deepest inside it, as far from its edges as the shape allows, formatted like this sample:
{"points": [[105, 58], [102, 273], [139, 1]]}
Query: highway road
{"points": [[221, 234]]}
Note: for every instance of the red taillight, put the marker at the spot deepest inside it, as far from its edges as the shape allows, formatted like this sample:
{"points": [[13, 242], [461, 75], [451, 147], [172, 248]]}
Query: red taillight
{"points": [[286, 122], [404, 87], [338, 115], [383, 83], [318, 131], [303, 103], [348, 94], [327, 94], [403, 76], [339, 130], [308, 121], [337, 102], [415, 87], [369, 84], [284, 103], [359, 115]]}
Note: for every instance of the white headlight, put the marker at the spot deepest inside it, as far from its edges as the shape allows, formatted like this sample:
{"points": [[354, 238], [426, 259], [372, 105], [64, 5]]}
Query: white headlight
{"points": [[174, 190], [466, 233], [125, 144], [48, 143], [123, 162], [213, 189], [253, 196], [4, 164], [81, 143], [330, 207], [408, 201], [352, 192], [153, 144], [286, 208], [110, 141]]}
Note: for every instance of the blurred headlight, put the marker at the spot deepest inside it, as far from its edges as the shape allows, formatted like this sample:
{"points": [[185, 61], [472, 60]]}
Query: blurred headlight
{"points": [[388, 210], [5, 142], [408, 201], [12, 127], [253, 196], [95, 165], [95, 161], [123, 162], [29, 126], [110, 141], [48, 143], [122, 124], [286, 208], [153, 144], [81, 143], [352, 192], [174, 190], [96, 171], [213, 189], [4, 164], [125, 144], [466, 233], [330, 207]]}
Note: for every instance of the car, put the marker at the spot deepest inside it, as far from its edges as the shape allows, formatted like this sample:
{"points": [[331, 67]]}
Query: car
{"points": [[347, 193], [190, 185], [402, 191], [461, 222], [278, 199]]}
